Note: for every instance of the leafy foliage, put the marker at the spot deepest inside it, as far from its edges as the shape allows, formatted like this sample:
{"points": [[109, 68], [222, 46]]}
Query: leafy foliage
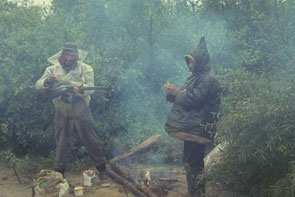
{"points": [[136, 58], [258, 129], [136, 46]]}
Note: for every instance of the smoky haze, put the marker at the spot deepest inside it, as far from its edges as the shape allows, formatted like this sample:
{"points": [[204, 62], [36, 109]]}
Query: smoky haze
{"points": [[160, 37], [136, 46]]}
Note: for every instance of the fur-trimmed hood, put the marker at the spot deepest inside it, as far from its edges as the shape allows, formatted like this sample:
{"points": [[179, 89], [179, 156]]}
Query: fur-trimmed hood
{"points": [[202, 58], [196, 105]]}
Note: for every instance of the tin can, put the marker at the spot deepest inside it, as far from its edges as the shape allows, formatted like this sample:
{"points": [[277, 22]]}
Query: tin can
{"points": [[89, 177]]}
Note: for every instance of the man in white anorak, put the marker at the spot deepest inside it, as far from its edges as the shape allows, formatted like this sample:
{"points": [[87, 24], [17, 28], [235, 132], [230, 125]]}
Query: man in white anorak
{"points": [[72, 114]]}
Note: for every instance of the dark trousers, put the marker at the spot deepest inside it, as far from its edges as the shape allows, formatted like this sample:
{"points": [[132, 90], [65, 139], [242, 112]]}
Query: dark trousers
{"points": [[193, 156], [75, 119]]}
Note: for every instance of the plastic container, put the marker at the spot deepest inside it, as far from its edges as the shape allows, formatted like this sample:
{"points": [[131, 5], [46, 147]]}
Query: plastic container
{"points": [[64, 189], [79, 191], [89, 177]]}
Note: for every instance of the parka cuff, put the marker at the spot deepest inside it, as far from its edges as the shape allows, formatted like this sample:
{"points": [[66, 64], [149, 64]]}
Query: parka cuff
{"points": [[180, 97], [170, 98], [42, 84], [45, 83]]}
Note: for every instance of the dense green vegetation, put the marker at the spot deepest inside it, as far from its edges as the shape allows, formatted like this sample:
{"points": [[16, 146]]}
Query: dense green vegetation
{"points": [[138, 45]]}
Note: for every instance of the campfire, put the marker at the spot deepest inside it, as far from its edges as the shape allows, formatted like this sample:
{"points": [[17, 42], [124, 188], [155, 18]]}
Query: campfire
{"points": [[140, 183]]}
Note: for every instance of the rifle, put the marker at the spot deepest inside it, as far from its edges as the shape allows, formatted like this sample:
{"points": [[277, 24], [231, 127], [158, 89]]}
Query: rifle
{"points": [[69, 90]]}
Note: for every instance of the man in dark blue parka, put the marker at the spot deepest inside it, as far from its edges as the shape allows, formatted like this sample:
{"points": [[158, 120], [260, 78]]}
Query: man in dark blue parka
{"points": [[193, 116]]}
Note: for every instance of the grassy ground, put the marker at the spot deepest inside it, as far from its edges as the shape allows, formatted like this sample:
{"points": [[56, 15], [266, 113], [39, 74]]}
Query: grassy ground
{"points": [[9, 186]]}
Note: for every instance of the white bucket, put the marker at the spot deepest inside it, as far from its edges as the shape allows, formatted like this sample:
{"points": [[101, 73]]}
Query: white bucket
{"points": [[89, 177], [79, 191]]}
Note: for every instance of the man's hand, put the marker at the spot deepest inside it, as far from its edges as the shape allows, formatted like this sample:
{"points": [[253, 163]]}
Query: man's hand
{"points": [[171, 89], [51, 79], [77, 89]]}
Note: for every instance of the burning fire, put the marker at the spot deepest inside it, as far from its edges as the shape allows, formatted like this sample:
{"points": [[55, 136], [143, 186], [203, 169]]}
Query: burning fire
{"points": [[148, 178]]}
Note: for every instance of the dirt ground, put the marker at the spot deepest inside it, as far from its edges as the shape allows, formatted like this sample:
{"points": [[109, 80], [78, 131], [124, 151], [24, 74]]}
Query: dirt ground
{"points": [[9, 186]]}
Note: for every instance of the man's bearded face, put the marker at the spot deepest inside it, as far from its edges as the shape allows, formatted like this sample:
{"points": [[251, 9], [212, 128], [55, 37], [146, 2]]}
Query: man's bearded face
{"points": [[69, 58]]}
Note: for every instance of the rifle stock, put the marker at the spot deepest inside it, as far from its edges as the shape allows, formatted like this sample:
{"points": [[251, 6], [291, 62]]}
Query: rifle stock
{"points": [[54, 93]]}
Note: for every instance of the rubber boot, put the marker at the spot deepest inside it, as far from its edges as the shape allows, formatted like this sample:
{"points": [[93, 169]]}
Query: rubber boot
{"points": [[195, 184]]}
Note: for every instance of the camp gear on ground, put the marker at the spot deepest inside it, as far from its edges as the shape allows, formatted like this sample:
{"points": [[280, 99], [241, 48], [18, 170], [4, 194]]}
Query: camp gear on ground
{"points": [[79, 191], [51, 184], [88, 177]]}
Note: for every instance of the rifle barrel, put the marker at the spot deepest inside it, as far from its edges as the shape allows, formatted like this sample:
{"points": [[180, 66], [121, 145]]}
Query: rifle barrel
{"points": [[93, 88]]}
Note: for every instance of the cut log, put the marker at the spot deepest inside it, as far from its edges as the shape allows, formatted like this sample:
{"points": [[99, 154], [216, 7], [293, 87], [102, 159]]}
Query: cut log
{"points": [[170, 180], [16, 174], [141, 147], [122, 173], [113, 175], [146, 190], [119, 175]]}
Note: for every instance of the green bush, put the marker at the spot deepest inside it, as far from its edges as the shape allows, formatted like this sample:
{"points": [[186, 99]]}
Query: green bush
{"points": [[136, 46], [136, 59], [258, 129]]}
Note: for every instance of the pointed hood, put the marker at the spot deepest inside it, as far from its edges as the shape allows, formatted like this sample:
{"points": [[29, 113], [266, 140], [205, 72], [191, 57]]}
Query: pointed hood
{"points": [[202, 58], [70, 46]]}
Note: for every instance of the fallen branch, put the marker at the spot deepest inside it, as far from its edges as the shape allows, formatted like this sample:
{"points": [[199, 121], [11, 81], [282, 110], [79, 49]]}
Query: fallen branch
{"points": [[122, 173], [142, 146], [146, 190], [122, 177], [126, 191], [125, 183], [15, 173], [169, 180]]}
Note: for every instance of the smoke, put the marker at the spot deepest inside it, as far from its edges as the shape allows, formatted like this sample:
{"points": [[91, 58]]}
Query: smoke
{"points": [[158, 40], [136, 46]]}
